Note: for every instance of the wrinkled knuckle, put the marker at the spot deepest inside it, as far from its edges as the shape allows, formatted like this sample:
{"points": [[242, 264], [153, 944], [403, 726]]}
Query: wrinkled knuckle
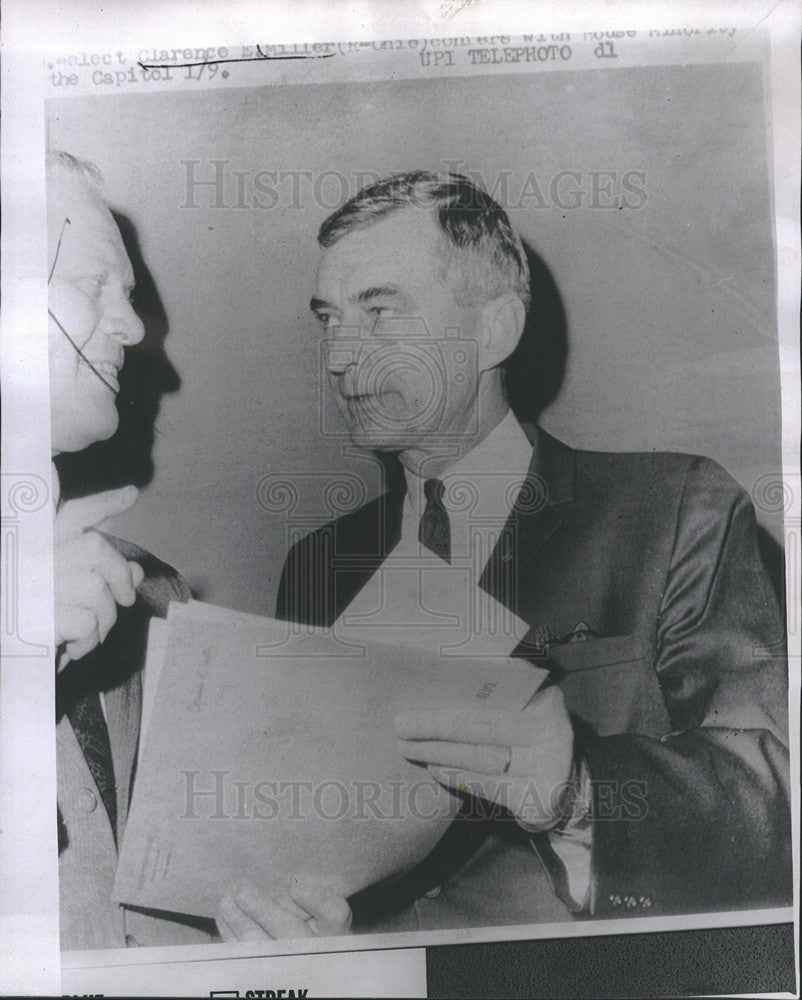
{"points": [[95, 542]]}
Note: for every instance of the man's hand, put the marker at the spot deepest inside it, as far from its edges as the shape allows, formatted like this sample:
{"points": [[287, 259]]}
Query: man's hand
{"points": [[519, 759], [90, 577], [305, 910]]}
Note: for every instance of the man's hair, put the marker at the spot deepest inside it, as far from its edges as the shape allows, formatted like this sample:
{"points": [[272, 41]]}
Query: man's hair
{"points": [[482, 252], [83, 171]]}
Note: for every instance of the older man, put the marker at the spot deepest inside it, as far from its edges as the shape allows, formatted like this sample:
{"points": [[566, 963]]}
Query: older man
{"points": [[106, 591], [650, 775]]}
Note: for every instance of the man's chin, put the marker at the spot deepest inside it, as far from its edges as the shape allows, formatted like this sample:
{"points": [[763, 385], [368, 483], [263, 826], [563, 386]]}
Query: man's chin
{"points": [[80, 438], [376, 439]]}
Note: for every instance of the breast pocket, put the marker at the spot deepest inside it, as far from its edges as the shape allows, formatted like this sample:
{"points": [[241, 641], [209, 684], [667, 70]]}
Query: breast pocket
{"points": [[610, 683]]}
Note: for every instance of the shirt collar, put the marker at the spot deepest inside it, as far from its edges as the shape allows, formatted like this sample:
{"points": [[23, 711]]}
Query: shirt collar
{"points": [[485, 480]]}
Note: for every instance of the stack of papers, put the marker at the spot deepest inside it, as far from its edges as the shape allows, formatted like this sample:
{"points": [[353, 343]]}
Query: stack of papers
{"points": [[267, 751]]}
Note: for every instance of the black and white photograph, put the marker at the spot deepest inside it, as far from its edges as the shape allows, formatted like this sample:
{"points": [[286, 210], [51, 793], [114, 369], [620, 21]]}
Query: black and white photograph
{"points": [[423, 480]]}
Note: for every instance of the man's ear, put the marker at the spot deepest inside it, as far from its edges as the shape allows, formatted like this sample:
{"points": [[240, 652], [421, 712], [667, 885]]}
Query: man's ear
{"points": [[501, 322]]}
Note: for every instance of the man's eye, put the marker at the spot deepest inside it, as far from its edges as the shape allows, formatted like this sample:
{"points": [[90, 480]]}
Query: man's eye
{"points": [[381, 312], [325, 319], [91, 285]]}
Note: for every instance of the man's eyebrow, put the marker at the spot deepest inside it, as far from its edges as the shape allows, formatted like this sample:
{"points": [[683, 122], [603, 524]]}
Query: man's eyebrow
{"points": [[375, 292], [316, 304], [379, 291]]}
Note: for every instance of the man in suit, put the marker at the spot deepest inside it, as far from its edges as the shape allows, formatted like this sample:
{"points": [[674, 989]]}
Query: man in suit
{"points": [[650, 774], [106, 592]]}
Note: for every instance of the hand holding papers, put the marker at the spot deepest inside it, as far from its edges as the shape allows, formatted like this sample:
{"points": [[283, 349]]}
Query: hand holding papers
{"points": [[520, 760], [269, 751], [248, 913]]}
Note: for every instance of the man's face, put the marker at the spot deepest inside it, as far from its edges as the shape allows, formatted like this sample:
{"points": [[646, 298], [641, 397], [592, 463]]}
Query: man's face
{"points": [[89, 294], [401, 354]]}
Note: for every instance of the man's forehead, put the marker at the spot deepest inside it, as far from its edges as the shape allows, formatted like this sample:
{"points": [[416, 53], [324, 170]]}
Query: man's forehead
{"points": [[401, 245], [84, 224]]}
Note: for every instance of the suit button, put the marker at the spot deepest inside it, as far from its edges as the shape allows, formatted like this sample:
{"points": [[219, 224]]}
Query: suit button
{"points": [[434, 892], [131, 941], [87, 800]]}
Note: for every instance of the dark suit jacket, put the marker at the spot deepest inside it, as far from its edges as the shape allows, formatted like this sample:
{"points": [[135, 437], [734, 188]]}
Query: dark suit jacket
{"points": [[677, 681]]}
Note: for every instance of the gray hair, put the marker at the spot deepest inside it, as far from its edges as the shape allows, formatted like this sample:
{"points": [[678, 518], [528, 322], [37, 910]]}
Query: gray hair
{"points": [[83, 171], [480, 242]]}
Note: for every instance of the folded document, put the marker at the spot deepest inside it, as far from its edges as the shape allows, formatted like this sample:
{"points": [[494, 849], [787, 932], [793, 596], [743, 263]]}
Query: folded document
{"points": [[267, 749]]}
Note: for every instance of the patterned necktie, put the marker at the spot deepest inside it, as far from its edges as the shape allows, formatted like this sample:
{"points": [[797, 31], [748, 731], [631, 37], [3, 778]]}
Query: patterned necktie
{"points": [[434, 531], [93, 736]]}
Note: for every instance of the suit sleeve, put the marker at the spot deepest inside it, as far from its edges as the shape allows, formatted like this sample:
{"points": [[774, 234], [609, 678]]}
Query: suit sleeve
{"points": [[700, 819], [161, 584]]}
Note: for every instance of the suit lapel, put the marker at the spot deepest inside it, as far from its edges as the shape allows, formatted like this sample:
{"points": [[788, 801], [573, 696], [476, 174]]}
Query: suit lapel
{"points": [[537, 513], [362, 543], [360, 546]]}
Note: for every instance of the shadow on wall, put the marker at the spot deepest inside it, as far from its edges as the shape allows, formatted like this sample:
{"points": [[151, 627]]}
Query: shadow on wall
{"points": [[534, 372], [146, 375]]}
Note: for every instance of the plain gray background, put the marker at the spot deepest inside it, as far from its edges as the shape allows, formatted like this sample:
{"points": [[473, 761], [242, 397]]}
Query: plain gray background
{"points": [[670, 306]]}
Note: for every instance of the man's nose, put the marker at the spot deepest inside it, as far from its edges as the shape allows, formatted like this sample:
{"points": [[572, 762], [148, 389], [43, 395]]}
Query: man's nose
{"points": [[342, 349], [121, 322]]}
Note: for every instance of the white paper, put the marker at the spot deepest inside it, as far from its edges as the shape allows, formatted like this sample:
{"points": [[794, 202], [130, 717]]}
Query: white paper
{"points": [[270, 752]]}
